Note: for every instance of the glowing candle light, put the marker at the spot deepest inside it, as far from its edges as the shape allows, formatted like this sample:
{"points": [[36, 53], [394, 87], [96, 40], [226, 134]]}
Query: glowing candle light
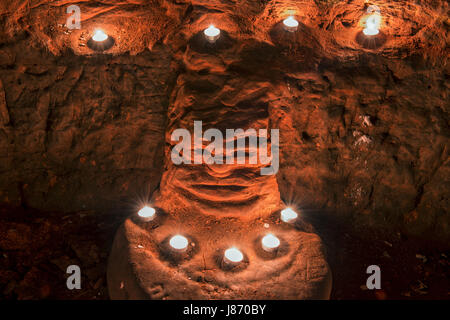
{"points": [[212, 34], [179, 243], [372, 25], [288, 215], [373, 21], [270, 242], [290, 24], [147, 213], [233, 255], [99, 36]]}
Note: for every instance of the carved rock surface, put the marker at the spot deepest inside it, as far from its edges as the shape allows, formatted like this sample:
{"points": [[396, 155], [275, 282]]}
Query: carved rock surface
{"points": [[297, 271], [364, 132]]}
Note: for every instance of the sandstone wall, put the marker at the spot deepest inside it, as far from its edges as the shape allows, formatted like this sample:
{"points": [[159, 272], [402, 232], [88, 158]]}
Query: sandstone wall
{"points": [[364, 131]]}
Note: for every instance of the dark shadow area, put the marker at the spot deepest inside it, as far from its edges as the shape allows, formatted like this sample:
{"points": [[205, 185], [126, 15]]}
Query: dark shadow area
{"points": [[411, 267], [281, 251]]}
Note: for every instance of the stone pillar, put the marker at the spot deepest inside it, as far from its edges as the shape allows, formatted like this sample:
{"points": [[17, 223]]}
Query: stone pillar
{"points": [[217, 206]]}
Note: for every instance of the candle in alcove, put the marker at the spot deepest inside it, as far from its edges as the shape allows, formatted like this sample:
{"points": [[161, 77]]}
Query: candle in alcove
{"points": [[233, 255], [372, 25], [147, 213], [288, 215], [179, 243], [99, 36], [290, 24], [212, 34], [373, 21], [100, 41], [270, 242]]}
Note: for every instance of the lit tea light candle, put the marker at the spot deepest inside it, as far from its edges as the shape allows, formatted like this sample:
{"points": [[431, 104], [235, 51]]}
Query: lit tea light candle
{"points": [[212, 34], [179, 243], [100, 41], [372, 25], [373, 21], [288, 215], [270, 242], [99, 36], [233, 255], [147, 213], [290, 24]]}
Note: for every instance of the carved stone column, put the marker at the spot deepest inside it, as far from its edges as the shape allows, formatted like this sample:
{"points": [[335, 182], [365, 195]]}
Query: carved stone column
{"points": [[217, 206]]}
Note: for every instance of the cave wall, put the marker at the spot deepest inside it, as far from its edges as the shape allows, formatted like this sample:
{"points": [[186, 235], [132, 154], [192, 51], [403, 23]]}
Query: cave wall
{"points": [[80, 133], [370, 140], [364, 131]]}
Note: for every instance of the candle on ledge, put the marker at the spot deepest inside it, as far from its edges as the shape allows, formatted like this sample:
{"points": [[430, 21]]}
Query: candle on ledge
{"points": [[147, 213], [288, 215], [290, 24], [233, 255], [212, 34], [270, 242], [100, 41], [179, 243]]}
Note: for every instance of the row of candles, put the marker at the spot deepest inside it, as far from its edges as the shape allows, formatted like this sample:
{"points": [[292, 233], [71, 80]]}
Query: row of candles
{"points": [[290, 24], [232, 255]]}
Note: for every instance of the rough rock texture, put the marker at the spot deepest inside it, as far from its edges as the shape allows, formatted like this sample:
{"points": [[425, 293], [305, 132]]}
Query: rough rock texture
{"points": [[80, 133], [213, 89], [141, 267], [364, 131], [218, 205]]}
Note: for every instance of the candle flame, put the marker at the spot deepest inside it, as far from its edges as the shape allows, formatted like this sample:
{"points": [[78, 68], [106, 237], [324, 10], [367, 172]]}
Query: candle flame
{"points": [[287, 215], [372, 25], [290, 22], [212, 31], [270, 241], [146, 212], [233, 254], [99, 36], [179, 242]]}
